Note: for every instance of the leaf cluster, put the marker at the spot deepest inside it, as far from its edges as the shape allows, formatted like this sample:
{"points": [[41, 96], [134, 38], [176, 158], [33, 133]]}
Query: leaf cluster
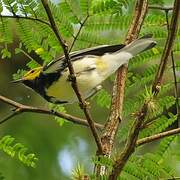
{"points": [[17, 149]]}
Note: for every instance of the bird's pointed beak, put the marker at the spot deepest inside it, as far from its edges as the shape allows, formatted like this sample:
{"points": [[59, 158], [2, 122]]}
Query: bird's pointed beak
{"points": [[17, 81]]}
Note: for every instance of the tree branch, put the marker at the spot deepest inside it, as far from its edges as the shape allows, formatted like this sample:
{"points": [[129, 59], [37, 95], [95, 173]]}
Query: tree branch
{"points": [[26, 18], [79, 31], [83, 104], [157, 136], [160, 8], [21, 108], [119, 85], [175, 87], [168, 47], [133, 136], [115, 117], [174, 71]]}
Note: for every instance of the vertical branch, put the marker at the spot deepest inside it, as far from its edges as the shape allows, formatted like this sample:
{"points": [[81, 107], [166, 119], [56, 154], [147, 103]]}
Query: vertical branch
{"points": [[115, 117], [168, 47], [175, 88], [174, 70], [83, 104], [79, 31], [133, 136]]}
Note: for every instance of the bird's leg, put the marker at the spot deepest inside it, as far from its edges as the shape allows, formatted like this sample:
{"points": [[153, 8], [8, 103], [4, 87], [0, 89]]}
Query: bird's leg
{"points": [[56, 101], [87, 104], [95, 90]]}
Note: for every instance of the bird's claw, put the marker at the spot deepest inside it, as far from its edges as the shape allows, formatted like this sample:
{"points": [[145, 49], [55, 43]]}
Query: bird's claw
{"points": [[84, 105], [71, 77]]}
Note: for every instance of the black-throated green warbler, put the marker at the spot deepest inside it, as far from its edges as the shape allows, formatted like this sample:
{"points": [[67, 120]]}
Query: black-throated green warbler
{"points": [[92, 66]]}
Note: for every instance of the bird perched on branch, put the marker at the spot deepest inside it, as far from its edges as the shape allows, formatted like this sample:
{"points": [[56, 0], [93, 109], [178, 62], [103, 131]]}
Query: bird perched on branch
{"points": [[92, 66]]}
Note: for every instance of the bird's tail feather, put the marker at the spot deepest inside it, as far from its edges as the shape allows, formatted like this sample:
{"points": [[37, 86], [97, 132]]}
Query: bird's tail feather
{"points": [[139, 45]]}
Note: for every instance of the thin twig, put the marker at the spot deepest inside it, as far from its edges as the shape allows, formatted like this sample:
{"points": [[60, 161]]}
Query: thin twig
{"points": [[133, 136], [79, 31], [20, 108], [12, 10], [157, 136], [168, 47], [64, 46], [34, 12], [28, 56], [174, 70], [72, 10], [22, 8], [175, 87], [26, 18], [160, 8], [11, 115], [173, 178], [150, 121]]}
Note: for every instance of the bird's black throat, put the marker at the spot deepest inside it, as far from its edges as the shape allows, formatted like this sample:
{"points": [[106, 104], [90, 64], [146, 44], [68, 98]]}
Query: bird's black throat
{"points": [[41, 83]]}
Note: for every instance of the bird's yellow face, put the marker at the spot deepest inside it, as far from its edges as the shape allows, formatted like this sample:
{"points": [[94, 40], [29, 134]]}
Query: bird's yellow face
{"points": [[32, 74]]}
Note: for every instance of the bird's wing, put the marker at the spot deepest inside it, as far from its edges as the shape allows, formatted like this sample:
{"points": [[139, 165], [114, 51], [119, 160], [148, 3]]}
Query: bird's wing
{"points": [[98, 50], [60, 64]]}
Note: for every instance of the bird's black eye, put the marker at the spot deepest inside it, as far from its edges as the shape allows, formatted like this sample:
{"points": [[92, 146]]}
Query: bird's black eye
{"points": [[32, 71]]}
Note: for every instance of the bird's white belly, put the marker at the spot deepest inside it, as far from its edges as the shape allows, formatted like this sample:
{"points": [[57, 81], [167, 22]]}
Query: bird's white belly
{"points": [[63, 91], [90, 72]]}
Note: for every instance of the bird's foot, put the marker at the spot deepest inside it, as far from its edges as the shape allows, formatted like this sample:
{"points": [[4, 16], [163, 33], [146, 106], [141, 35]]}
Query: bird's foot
{"points": [[71, 77], [84, 105]]}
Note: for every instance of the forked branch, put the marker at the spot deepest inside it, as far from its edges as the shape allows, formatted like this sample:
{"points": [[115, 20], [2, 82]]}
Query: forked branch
{"points": [[157, 136], [26, 18], [115, 117], [21, 108], [64, 46]]}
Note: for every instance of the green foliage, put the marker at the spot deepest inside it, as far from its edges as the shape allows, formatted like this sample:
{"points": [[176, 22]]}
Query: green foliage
{"points": [[153, 164], [78, 173], [32, 64], [103, 98], [110, 6], [158, 2], [178, 65], [58, 108], [165, 145], [9, 147], [100, 22], [19, 74], [147, 166], [159, 125], [6, 37], [102, 160], [5, 53]]}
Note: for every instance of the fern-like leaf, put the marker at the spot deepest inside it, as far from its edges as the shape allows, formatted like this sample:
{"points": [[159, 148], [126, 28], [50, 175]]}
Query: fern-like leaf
{"points": [[8, 146]]}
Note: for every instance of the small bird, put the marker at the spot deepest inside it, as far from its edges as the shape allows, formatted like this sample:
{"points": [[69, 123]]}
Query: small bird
{"points": [[92, 66]]}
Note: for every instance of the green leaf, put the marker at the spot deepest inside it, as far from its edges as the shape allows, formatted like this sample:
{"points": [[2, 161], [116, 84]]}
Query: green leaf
{"points": [[5, 53], [58, 108], [17, 50], [8, 146]]}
